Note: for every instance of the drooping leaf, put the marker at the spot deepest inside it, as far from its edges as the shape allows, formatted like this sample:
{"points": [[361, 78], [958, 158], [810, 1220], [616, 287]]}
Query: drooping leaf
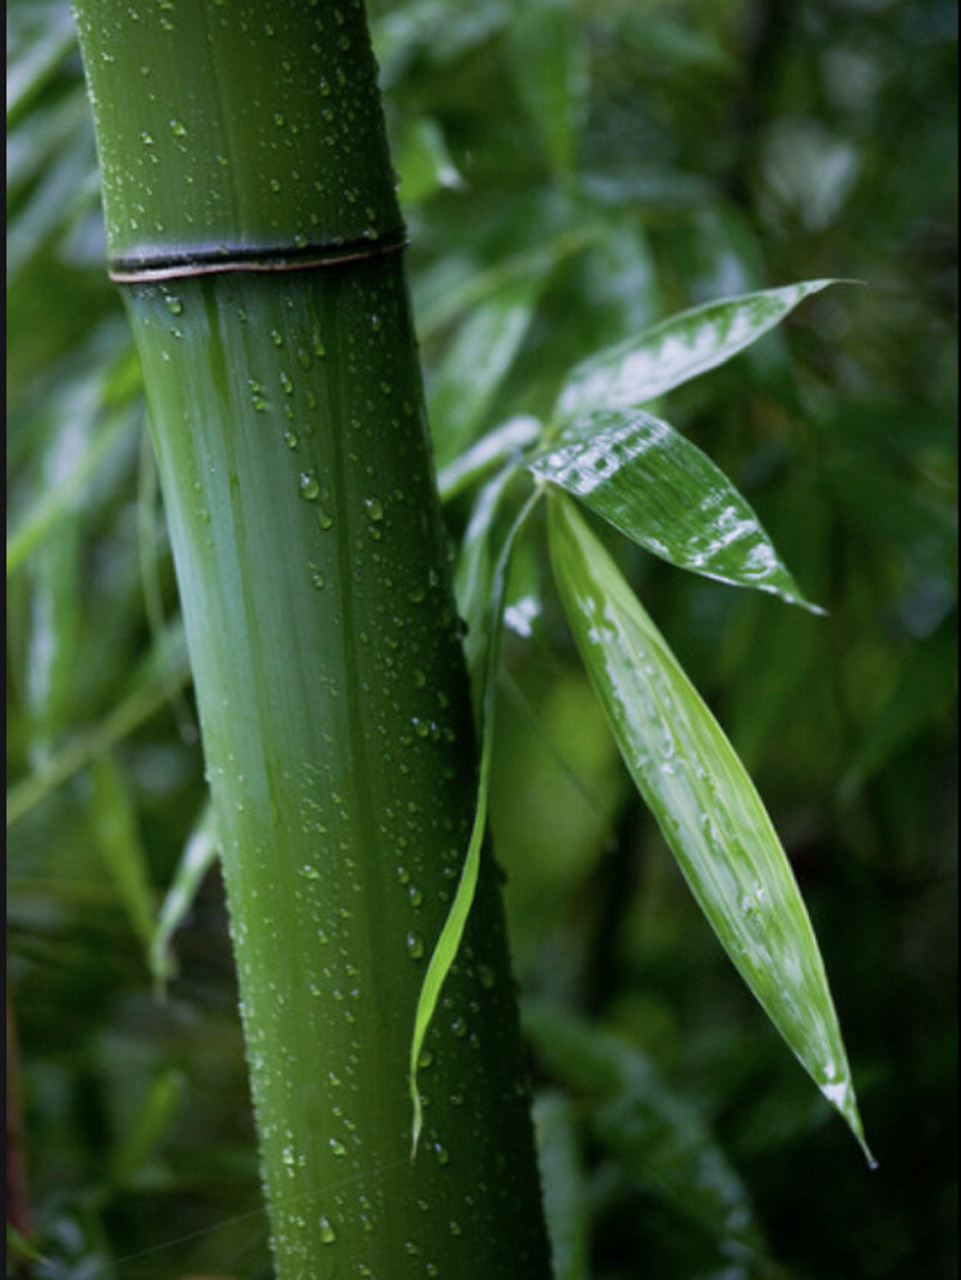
{"points": [[445, 950], [642, 368], [705, 804], [655, 486]]}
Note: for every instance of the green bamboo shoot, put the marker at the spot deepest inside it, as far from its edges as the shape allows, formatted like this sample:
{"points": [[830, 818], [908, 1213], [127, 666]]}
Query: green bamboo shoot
{"points": [[253, 228]]}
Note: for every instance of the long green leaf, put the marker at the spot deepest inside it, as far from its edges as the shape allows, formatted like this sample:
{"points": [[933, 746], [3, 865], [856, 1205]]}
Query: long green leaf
{"points": [[705, 804], [655, 486], [445, 950], [642, 368]]}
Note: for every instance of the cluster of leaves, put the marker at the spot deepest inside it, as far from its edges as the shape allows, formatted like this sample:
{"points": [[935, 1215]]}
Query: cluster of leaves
{"points": [[571, 174]]}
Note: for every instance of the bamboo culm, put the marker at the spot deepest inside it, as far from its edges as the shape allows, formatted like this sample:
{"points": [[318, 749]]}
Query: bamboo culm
{"points": [[287, 416]]}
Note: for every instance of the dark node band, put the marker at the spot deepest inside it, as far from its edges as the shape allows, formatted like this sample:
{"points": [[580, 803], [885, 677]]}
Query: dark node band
{"points": [[205, 262]]}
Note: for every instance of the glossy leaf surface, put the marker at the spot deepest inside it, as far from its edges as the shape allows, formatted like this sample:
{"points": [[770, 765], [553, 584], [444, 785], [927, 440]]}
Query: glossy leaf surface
{"points": [[655, 486], [643, 368], [705, 804]]}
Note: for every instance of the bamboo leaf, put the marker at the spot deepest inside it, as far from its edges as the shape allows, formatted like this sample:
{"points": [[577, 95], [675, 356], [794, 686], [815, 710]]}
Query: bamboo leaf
{"points": [[463, 392], [199, 854], [566, 1196], [550, 68], [656, 487], [505, 441], [643, 368], [120, 845], [445, 950], [705, 804], [658, 1136]]}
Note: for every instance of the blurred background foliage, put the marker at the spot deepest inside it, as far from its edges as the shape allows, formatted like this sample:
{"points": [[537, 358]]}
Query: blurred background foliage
{"points": [[571, 170]]}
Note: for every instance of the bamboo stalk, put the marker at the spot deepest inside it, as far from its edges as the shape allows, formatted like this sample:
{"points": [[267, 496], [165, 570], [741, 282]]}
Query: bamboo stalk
{"points": [[253, 226]]}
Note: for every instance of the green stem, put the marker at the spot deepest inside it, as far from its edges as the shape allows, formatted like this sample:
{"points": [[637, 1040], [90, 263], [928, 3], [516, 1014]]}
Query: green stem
{"points": [[288, 421]]}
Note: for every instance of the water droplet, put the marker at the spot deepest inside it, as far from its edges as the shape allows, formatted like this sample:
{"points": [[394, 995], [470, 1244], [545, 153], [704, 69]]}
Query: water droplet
{"points": [[309, 486], [325, 520], [318, 579], [459, 1028], [178, 128], [487, 976], [374, 508], [415, 895], [173, 305], [337, 1148], [276, 337], [327, 1233], [415, 946], [442, 1154]]}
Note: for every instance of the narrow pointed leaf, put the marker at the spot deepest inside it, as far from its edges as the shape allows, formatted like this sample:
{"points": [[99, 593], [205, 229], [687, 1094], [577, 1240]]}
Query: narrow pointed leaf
{"points": [[505, 441], [655, 486], [446, 948], [199, 855], [705, 804], [643, 368], [463, 392]]}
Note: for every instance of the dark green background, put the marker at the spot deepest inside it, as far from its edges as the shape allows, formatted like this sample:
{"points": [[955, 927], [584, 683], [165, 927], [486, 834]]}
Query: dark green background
{"points": [[570, 173]]}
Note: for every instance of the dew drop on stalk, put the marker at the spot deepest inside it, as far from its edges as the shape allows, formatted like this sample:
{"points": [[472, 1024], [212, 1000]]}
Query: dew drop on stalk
{"points": [[309, 486], [415, 945], [327, 1233]]}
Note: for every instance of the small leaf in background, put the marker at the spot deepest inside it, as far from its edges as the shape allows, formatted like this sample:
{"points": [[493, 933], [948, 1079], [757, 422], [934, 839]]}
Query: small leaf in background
{"points": [[705, 804], [564, 1182], [656, 1134], [150, 1125], [199, 855], [550, 68], [505, 441], [120, 845], [464, 387], [424, 163], [643, 368], [656, 487]]}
